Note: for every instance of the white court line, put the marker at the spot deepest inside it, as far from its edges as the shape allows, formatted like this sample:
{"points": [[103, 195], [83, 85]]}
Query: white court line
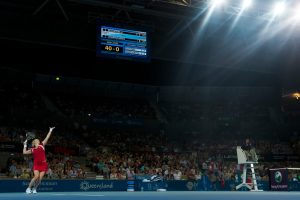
{"points": [[88, 195]]}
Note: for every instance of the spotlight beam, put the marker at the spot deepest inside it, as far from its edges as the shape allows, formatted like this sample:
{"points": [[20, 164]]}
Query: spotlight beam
{"points": [[217, 3], [246, 4], [279, 8]]}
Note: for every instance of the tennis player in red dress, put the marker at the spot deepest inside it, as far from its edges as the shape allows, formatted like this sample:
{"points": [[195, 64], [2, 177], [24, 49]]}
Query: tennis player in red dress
{"points": [[40, 165]]}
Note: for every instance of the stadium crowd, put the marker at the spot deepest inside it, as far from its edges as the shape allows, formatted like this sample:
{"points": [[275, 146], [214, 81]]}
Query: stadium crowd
{"points": [[129, 152]]}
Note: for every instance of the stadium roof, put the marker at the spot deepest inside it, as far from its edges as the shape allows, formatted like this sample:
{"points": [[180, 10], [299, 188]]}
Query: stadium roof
{"points": [[187, 48]]}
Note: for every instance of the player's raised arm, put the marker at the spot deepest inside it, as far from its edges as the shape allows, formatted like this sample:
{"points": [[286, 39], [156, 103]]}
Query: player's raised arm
{"points": [[25, 151], [48, 136]]}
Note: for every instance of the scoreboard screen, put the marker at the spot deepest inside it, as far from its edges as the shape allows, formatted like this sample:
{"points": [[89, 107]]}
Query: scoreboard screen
{"points": [[122, 43]]}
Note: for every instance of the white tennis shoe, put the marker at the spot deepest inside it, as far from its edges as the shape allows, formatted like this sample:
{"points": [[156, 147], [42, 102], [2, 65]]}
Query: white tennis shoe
{"points": [[34, 191], [28, 191]]}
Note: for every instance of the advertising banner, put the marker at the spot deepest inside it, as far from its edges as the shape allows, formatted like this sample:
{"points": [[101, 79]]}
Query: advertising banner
{"points": [[279, 179]]}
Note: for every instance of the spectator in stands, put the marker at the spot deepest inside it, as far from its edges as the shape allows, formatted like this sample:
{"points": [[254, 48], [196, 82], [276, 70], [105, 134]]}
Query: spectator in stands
{"points": [[13, 169], [130, 175], [113, 175], [177, 175], [25, 174], [213, 179], [72, 173]]}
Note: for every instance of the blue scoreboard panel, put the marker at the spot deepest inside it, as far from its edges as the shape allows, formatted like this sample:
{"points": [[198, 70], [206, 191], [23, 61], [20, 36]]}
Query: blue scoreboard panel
{"points": [[122, 43]]}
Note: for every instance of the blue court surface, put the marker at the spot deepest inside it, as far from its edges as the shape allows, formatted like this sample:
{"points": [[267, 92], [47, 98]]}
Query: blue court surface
{"points": [[154, 196]]}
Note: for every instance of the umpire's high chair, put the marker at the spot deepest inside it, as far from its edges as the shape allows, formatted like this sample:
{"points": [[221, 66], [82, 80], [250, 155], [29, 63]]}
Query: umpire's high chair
{"points": [[242, 160]]}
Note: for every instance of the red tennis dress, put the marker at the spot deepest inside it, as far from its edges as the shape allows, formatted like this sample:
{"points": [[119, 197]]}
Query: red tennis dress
{"points": [[39, 158]]}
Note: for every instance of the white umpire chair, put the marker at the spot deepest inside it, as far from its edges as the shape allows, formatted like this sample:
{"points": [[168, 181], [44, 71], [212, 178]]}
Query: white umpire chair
{"points": [[242, 160]]}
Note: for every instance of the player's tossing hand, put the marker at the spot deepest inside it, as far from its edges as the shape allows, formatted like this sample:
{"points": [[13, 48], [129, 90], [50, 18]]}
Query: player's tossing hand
{"points": [[51, 128], [25, 143]]}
